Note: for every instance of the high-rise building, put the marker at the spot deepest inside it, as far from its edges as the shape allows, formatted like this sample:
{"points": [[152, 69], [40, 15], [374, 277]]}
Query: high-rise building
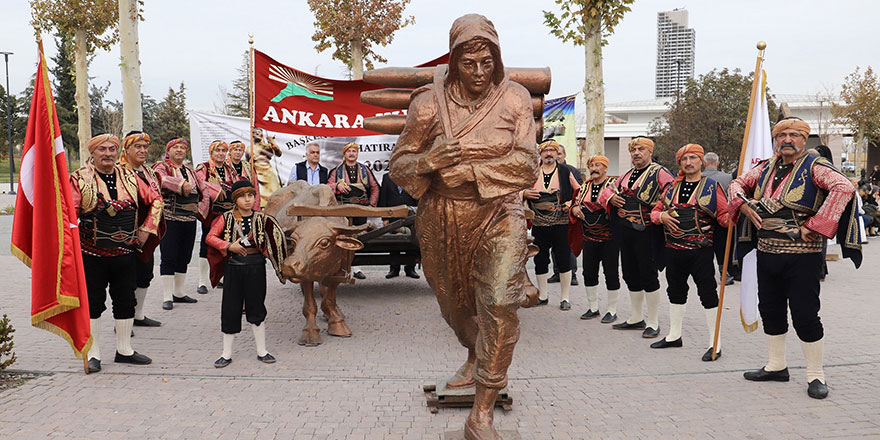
{"points": [[675, 52]]}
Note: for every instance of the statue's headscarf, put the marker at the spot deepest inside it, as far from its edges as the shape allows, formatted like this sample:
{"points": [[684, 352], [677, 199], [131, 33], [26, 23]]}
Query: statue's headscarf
{"points": [[466, 28]]}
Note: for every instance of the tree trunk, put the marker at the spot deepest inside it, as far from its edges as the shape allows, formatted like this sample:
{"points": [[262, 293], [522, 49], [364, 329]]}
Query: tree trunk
{"points": [[357, 59], [132, 111], [83, 107], [594, 93]]}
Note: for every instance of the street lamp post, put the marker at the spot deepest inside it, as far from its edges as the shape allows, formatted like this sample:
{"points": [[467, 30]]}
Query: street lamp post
{"points": [[9, 123]]}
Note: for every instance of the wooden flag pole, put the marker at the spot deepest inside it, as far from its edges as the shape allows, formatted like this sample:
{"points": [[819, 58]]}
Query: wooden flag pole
{"points": [[254, 179], [731, 226]]}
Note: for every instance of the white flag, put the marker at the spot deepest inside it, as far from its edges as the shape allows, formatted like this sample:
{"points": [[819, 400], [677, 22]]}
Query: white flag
{"points": [[758, 148]]}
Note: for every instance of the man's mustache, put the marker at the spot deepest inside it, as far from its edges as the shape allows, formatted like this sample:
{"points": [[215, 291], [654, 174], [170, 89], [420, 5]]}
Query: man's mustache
{"points": [[594, 172], [787, 144]]}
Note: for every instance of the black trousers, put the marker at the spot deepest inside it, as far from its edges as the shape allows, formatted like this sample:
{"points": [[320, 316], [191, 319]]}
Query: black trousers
{"points": [[555, 238], [243, 284], [203, 244], [607, 253], [637, 260], [696, 263], [117, 272], [144, 272], [573, 262], [176, 247], [790, 281]]}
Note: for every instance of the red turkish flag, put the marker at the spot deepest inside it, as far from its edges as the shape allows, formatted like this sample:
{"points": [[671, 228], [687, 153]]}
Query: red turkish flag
{"points": [[44, 230]]}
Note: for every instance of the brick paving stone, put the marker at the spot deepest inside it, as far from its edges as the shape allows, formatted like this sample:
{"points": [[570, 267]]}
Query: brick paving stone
{"points": [[570, 379]]}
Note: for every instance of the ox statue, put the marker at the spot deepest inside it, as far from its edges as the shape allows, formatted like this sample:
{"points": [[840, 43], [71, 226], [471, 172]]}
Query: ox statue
{"points": [[320, 250]]}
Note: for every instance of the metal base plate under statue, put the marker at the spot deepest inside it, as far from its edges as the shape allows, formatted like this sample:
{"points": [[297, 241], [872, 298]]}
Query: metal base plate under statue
{"points": [[440, 396], [503, 434]]}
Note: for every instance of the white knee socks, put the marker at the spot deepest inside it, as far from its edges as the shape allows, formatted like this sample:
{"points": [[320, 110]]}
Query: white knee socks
{"points": [[179, 279], [775, 352], [542, 285], [711, 318], [638, 300], [167, 287], [95, 351], [564, 284], [123, 336], [813, 356], [227, 345], [653, 301], [204, 272], [612, 301], [260, 338], [592, 297], [676, 317], [140, 295]]}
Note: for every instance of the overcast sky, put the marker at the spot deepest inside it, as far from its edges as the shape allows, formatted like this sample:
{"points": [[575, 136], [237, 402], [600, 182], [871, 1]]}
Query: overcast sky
{"points": [[812, 45]]}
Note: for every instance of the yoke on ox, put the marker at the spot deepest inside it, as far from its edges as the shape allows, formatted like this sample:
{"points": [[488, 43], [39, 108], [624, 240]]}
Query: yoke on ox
{"points": [[321, 247]]}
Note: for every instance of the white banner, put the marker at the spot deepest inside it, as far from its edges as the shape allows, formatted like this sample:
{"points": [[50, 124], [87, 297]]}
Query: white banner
{"points": [[375, 151]]}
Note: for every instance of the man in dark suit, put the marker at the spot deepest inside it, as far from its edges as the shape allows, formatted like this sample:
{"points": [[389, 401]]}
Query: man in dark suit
{"points": [[711, 171], [390, 194], [310, 170]]}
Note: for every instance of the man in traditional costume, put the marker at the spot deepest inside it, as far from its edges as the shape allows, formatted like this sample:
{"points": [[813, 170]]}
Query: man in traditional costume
{"points": [[241, 239], [183, 192], [576, 173], [466, 151], [135, 147], [310, 170], [107, 197], [354, 183], [550, 198], [592, 233], [688, 211], [794, 199], [634, 195], [218, 177]]}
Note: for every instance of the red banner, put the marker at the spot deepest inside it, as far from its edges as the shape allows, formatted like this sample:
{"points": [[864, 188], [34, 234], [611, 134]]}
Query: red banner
{"points": [[44, 234], [291, 101]]}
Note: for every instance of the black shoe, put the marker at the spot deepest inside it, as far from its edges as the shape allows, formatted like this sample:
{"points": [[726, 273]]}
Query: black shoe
{"points": [[729, 280], [360, 275], [135, 358], [554, 278], [411, 274], [707, 356], [543, 302], [574, 280], [763, 375], [222, 362], [589, 314], [202, 289], [627, 326], [185, 299], [816, 390], [392, 274], [651, 332], [268, 358], [663, 343], [565, 305], [609, 318], [220, 284], [94, 365], [147, 322], [167, 305]]}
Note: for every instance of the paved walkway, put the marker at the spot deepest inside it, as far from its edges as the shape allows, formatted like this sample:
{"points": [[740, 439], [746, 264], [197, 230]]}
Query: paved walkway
{"points": [[570, 379]]}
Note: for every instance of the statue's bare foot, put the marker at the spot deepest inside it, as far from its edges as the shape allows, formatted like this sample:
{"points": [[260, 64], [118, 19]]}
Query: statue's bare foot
{"points": [[311, 337], [480, 428], [464, 377], [337, 327]]}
